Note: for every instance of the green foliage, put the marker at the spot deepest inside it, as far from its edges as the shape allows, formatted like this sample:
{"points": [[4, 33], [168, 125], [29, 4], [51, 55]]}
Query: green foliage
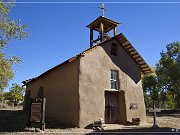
{"points": [[164, 86], [1, 96], [168, 70], [9, 29], [15, 94], [6, 73], [171, 103], [151, 89]]}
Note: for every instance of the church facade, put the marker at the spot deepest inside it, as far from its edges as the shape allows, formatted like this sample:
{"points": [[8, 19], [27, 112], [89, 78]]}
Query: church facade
{"points": [[103, 81]]}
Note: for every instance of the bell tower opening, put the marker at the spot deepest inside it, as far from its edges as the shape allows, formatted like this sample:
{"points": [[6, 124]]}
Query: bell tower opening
{"points": [[102, 25]]}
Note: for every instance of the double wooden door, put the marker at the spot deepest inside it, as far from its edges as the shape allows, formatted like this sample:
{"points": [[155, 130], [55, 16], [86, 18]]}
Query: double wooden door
{"points": [[111, 107]]}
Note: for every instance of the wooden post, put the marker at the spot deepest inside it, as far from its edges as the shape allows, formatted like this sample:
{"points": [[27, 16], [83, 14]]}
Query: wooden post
{"points": [[43, 114], [154, 110], [154, 116], [115, 31], [102, 32], [91, 37], [37, 112]]}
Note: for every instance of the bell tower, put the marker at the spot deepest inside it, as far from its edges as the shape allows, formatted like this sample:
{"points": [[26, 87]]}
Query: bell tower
{"points": [[102, 25]]}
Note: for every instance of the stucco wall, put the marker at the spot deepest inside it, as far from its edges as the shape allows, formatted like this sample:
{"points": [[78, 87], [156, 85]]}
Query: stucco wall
{"points": [[94, 79], [61, 91]]}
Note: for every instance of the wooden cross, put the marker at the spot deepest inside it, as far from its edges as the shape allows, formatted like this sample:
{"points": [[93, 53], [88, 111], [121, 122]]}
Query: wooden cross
{"points": [[103, 9], [154, 110]]}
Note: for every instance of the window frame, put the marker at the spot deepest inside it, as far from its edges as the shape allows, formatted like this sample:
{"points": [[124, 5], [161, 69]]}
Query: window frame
{"points": [[114, 79]]}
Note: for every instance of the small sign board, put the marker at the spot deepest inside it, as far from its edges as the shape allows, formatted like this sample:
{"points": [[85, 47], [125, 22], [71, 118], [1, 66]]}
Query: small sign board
{"points": [[154, 110], [133, 106], [36, 112]]}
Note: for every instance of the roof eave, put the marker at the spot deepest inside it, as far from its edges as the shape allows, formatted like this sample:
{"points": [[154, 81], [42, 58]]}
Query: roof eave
{"points": [[101, 17]]}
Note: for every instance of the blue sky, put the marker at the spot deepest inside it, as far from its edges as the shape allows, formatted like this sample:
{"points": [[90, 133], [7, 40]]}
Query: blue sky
{"points": [[58, 31]]}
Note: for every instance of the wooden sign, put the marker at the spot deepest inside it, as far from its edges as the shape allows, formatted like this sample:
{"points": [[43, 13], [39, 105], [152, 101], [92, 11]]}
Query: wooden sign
{"points": [[133, 106], [154, 110], [36, 112]]}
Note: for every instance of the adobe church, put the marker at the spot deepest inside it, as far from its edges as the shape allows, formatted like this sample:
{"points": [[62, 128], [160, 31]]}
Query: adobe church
{"points": [[103, 81]]}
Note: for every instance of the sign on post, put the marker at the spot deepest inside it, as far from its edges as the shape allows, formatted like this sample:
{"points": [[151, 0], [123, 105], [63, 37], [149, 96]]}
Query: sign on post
{"points": [[37, 112], [154, 110]]}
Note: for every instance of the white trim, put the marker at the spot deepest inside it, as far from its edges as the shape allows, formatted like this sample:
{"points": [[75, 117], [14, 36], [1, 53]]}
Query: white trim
{"points": [[112, 89]]}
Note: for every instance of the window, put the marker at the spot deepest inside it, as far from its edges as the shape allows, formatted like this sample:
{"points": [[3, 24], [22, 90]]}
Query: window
{"points": [[114, 79], [114, 49]]}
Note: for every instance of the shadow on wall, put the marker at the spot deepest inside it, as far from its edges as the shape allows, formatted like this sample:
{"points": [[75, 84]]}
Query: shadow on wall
{"points": [[124, 61]]}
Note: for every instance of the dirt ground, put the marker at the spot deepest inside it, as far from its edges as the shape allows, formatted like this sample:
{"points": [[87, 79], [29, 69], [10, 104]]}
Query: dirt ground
{"points": [[13, 121], [171, 121]]}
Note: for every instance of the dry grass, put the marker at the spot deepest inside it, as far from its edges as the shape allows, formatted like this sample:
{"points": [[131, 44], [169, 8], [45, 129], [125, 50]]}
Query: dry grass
{"points": [[171, 121]]}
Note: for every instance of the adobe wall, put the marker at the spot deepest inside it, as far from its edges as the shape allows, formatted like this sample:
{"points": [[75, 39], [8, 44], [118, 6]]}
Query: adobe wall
{"points": [[94, 79], [61, 91]]}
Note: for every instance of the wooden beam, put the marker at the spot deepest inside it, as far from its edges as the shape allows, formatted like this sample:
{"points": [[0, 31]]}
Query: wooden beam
{"points": [[130, 50], [102, 32], [137, 56], [147, 71], [128, 47], [143, 64], [134, 53], [139, 60], [115, 31], [91, 37], [125, 43], [123, 40], [121, 37]]}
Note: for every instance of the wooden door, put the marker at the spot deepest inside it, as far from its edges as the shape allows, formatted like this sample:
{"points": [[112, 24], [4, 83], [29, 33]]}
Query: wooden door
{"points": [[111, 107]]}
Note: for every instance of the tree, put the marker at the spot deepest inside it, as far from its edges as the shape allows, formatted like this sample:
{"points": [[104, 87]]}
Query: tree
{"points": [[5, 71], [168, 71], [170, 102], [164, 86], [151, 89], [9, 29], [15, 94]]}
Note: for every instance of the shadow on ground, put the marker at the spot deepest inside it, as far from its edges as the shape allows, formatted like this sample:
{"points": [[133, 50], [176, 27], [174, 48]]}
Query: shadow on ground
{"points": [[146, 131], [12, 120], [15, 121], [170, 113]]}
